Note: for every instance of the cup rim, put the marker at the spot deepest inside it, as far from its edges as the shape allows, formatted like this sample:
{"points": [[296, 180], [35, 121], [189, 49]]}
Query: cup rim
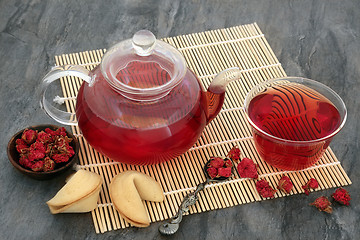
{"points": [[298, 80]]}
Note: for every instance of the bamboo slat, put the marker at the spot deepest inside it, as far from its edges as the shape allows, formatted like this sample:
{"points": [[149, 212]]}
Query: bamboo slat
{"points": [[206, 53]]}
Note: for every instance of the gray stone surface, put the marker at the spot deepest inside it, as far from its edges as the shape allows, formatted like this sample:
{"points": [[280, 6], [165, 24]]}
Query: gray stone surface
{"points": [[314, 39]]}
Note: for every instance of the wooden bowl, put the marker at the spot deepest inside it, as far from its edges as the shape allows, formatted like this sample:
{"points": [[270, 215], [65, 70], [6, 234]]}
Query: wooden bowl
{"points": [[14, 156]]}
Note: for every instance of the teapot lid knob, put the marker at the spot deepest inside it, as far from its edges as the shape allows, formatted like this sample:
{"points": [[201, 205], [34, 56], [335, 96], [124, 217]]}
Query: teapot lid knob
{"points": [[143, 42]]}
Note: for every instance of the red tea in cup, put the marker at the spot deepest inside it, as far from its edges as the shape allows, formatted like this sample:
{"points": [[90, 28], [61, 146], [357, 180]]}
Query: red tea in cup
{"points": [[293, 121]]}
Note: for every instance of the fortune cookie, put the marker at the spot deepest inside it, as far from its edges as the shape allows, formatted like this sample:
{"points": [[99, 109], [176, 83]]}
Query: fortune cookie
{"points": [[79, 194], [128, 189]]}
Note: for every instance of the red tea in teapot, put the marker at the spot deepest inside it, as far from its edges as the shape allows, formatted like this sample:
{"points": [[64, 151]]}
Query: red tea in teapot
{"points": [[158, 130]]}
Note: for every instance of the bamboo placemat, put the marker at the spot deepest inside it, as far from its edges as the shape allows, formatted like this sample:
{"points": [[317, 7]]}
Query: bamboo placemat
{"points": [[206, 53]]}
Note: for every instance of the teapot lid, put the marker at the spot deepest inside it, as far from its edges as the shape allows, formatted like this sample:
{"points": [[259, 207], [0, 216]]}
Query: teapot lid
{"points": [[143, 68]]}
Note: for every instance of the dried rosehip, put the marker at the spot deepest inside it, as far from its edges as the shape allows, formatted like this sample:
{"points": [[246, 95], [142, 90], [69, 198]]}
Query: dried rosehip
{"points": [[311, 184], [285, 184], [49, 165], [224, 172], [213, 172], [323, 204], [216, 162], [29, 136], [234, 154], [247, 169], [342, 196], [264, 189]]}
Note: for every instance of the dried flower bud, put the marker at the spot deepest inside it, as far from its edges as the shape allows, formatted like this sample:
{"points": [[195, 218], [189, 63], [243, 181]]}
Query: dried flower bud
{"points": [[323, 204], [264, 189], [37, 166], [49, 164], [217, 162], [234, 154], [29, 136], [228, 163], [247, 169], [285, 184], [224, 172], [44, 137], [341, 196], [21, 146], [36, 149], [213, 172], [24, 161], [311, 184], [59, 158]]}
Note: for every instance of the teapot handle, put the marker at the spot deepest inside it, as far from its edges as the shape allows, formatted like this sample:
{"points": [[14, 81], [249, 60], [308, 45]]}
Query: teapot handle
{"points": [[56, 73]]}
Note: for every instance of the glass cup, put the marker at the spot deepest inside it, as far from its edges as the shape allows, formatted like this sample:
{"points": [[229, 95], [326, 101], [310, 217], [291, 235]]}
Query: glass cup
{"points": [[293, 120]]}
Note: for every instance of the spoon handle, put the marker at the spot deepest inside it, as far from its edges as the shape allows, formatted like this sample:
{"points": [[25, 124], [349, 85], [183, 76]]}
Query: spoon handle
{"points": [[172, 226]]}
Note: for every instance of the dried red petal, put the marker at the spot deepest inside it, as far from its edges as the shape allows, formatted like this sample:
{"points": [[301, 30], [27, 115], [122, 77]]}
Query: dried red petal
{"points": [[24, 161], [20, 141], [49, 164], [21, 146], [323, 204], [311, 184], [224, 172], [61, 132], [341, 196], [228, 163], [44, 137], [264, 189], [217, 162], [49, 131], [37, 166], [35, 155], [48, 143], [234, 154], [38, 146], [285, 184], [213, 172], [247, 169], [58, 158], [29, 136]]}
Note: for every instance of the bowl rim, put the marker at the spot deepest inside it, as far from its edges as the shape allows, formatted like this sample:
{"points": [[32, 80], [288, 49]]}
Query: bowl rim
{"points": [[18, 166]]}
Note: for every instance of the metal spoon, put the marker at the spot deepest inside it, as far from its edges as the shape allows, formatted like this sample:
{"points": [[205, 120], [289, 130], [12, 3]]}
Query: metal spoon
{"points": [[172, 226]]}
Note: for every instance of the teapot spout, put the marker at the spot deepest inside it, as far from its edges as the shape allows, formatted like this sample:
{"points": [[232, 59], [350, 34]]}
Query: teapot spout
{"points": [[215, 94]]}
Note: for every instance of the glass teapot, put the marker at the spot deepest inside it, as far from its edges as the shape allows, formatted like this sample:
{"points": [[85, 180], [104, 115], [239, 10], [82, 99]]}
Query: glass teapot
{"points": [[141, 104]]}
